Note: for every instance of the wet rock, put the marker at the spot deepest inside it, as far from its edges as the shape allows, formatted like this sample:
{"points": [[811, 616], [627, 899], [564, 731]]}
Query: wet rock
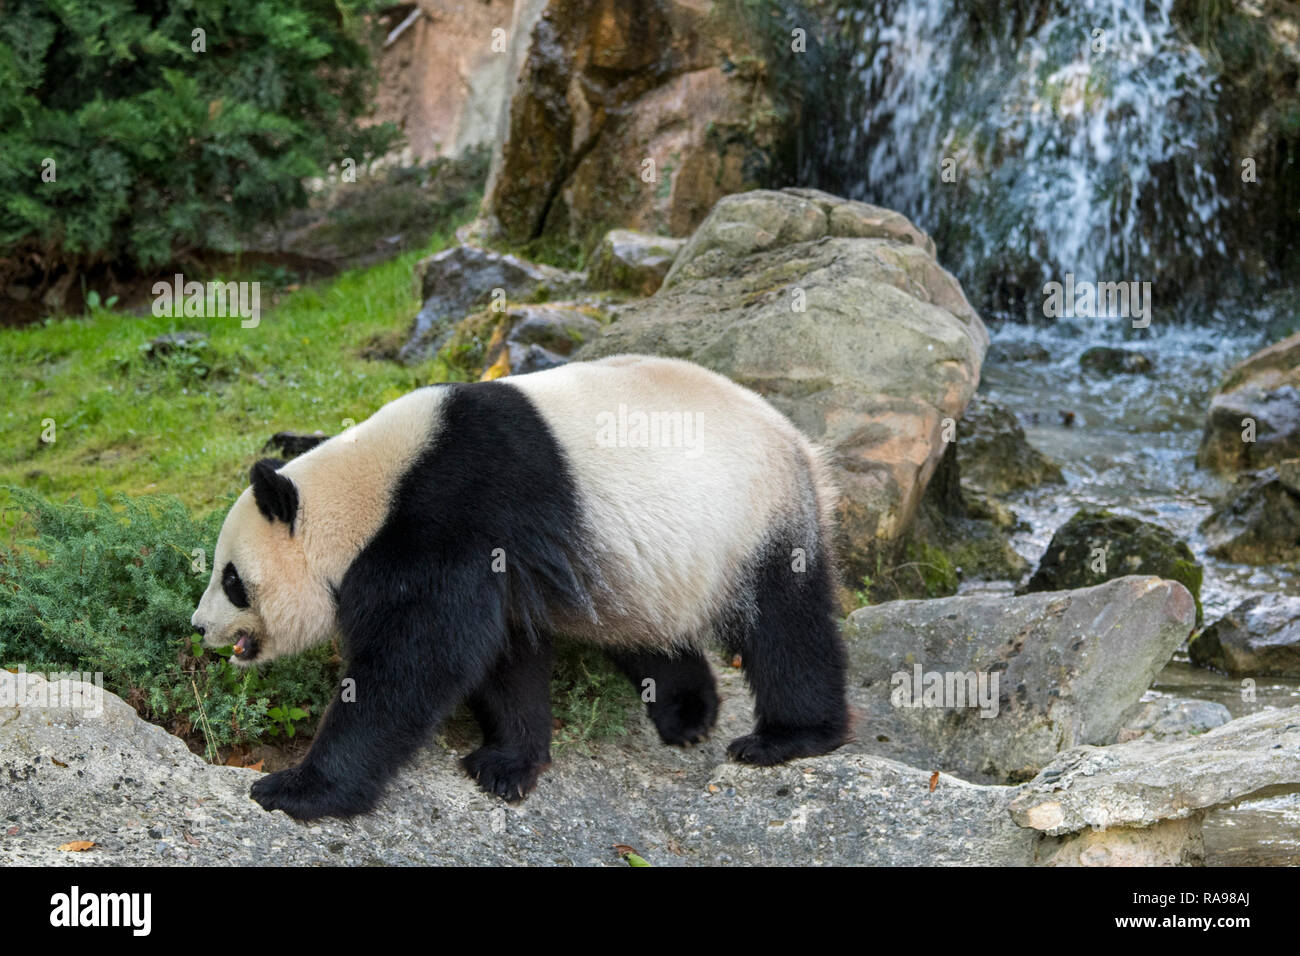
{"points": [[464, 278], [1068, 667], [1259, 520], [1112, 361], [1142, 782], [1095, 546], [838, 314], [1254, 418], [994, 453], [1008, 352], [1171, 718], [631, 261], [1260, 637]]}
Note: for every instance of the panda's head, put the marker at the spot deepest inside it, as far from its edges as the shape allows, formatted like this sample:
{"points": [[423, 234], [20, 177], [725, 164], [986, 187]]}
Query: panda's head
{"points": [[264, 599]]}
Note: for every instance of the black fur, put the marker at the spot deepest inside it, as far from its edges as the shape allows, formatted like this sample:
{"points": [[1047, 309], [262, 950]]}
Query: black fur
{"points": [[426, 619], [275, 494], [684, 707], [292, 444], [793, 658]]}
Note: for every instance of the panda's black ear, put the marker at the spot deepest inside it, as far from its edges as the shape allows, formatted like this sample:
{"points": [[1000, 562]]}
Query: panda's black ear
{"points": [[275, 494]]}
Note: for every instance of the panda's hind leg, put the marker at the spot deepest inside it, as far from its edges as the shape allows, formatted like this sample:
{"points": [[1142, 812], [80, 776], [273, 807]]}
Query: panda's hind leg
{"points": [[794, 661], [513, 708], [682, 698]]}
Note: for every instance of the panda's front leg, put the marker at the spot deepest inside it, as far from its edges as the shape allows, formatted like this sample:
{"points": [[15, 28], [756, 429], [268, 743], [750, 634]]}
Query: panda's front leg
{"points": [[408, 668]]}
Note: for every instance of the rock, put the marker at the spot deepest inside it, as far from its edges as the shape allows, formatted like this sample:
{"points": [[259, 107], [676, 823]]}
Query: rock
{"points": [[142, 797], [955, 537], [1260, 637], [1130, 546], [442, 82], [1170, 718], [635, 115], [1142, 782], [125, 780], [994, 453], [837, 313], [171, 342], [1263, 390], [560, 329], [533, 358], [631, 261], [1113, 361], [1068, 666], [1259, 520], [466, 277], [1018, 352]]}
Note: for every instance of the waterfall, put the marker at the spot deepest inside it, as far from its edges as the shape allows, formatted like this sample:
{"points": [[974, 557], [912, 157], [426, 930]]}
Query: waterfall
{"points": [[1077, 137]]}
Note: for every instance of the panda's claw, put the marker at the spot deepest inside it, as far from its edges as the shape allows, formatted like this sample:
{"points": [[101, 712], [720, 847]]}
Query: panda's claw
{"points": [[503, 773]]}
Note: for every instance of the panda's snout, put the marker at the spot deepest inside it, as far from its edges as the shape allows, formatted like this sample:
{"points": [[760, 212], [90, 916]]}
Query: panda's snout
{"points": [[200, 629]]}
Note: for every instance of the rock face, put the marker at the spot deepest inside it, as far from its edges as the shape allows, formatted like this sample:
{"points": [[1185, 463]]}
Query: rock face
{"points": [[1142, 782], [143, 799], [1259, 520], [1265, 390], [1130, 546], [466, 277], [1069, 666], [640, 115], [1259, 637], [994, 453], [837, 313], [442, 83], [630, 261]]}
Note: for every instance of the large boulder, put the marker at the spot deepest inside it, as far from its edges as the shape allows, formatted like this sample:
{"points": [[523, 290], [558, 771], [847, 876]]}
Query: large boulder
{"points": [[1095, 546], [141, 798], [995, 454], [1258, 521], [1259, 637], [466, 277], [1254, 417], [837, 313], [639, 115], [1055, 670]]}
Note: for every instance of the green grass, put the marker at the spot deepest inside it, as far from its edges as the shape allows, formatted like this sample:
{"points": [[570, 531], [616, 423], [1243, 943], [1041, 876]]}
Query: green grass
{"points": [[191, 423]]}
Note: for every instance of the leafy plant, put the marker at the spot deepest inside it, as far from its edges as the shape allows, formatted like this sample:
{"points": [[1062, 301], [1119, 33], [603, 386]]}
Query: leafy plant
{"points": [[109, 588]]}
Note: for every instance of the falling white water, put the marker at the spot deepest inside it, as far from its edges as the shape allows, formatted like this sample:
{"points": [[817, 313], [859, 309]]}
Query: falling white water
{"points": [[1084, 145]]}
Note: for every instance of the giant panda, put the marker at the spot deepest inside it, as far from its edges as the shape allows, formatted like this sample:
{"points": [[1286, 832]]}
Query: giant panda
{"points": [[644, 505]]}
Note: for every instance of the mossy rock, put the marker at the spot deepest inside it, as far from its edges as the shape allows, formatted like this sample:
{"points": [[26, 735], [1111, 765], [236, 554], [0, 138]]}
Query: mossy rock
{"points": [[1096, 546]]}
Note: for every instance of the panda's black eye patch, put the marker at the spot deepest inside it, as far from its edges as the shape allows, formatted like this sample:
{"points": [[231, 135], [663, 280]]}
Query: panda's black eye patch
{"points": [[233, 586]]}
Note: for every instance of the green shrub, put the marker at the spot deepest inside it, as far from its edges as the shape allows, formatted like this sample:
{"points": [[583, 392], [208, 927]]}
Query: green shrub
{"points": [[111, 588], [159, 147]]}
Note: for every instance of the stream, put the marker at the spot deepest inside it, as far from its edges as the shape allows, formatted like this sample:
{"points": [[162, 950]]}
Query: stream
{"points": [[1131, 448]]}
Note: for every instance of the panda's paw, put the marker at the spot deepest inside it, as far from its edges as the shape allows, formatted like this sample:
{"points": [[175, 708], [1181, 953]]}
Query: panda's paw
{"points": [[304, 794], [685, 719], [766, 748], [502, 772]]}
